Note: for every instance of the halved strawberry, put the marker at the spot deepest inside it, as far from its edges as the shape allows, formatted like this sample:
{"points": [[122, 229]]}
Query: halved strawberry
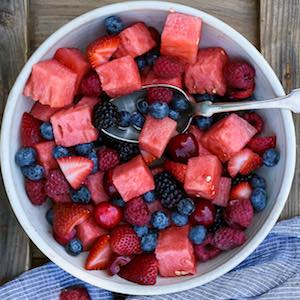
{"points": [[30, 130], [148, 157], [67, 216], [100, 256], [101, 50], [178, 170], [243, 190], [261, 144], [244, 162], [64, 240], [76, 169]]}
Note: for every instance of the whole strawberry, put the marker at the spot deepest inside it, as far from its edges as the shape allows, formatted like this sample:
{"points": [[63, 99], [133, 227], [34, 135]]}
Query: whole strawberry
{"points": [[74, 293], [166, 67], [136, 212], [142, 269], [228, 238], [206, 250], [107, 159], [159, 94], [35, 191]]}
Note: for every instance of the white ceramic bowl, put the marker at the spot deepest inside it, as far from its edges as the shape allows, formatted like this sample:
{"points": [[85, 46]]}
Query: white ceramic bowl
{"points": [[78, 33]]}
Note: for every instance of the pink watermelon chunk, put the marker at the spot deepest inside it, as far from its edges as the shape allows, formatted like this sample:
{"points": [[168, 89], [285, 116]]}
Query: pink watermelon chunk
{"points": [[45, 157], [95, 186], [51, 83], [135, 41], [89, 101], [133, 178], [223, 192], [73, 126], [206, 75], [202, 176], [73, 59], [43, 112], [174, 252], [180, 37], [228, 136], [119, 76], [156, 134], [151, 78], [194, 130]]}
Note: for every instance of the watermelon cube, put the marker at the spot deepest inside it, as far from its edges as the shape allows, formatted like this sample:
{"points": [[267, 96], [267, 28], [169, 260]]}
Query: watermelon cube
{"points": [[174, 252], [223, 192], [89, 101], [74, 126], [206, 75], [133, 179], [43, 112], [180, 37], [51, 83], [151, 78], [135, 41], [73, 59], [44, 155], [120, 76], [95, 186], [202, 176], [198, 133], [156, 134], [228, 136]]}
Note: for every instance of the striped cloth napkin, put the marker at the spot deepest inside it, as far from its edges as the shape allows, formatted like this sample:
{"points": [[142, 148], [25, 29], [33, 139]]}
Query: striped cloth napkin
{"points": [[271, 272]]}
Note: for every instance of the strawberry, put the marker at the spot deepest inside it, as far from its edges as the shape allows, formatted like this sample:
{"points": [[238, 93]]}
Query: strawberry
{"points": [[261, 144], [74, 293], [148, 157], [160, 94], [136, 212], [142, 269], [90, 85], [107, 159], [100, 255], [255, 120], [35, 191], [67, 216], [178, 170], [30, 130], [64, 240], [228, 238], [101, 50], [166, 67], [124, 241], [206, 250], [56, 184], [76, 169], [242, 190], [244, 162]]}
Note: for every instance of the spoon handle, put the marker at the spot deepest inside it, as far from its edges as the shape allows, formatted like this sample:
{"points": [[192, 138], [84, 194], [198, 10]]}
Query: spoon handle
{"points": [[290, 101]]}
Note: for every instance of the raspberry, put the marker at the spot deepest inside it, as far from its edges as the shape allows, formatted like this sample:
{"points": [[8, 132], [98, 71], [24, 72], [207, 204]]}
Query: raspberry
{"points": [[90, 85], [56, 184], [206, 250], [240, 94], [261, 144], [35, 191], [136, 212], [255, 120], [239, 213], [107, 159], [228, 238], [159, 94], [166, 67]]}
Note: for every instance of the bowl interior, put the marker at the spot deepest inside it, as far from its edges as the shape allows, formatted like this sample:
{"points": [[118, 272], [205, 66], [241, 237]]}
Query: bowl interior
{"points": [[32, 218]]}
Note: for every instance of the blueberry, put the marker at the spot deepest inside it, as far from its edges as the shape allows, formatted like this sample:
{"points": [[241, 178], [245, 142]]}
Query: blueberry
{"points": [[258, 182], [148, 242], [204, 97], [81, 195], [60, 151], [203, 122], [159, 110], [113, 25], [149, 196], [179, 103], [47, 131], [271, 157], [141, 62], [141, 230], [94, 158], [84, 149], [33, 172], [137, 120], [173, 114], [25, 156], [74, 247], [159, 220], [178, 219], [186, 206], [197, 234], [142, 106], [151, 57], [259, 199], [49, 215], [118, 202], [124, 118]]}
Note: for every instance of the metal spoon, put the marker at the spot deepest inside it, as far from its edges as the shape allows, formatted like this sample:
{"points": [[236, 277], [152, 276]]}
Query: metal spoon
{"points": [[205, 109]]}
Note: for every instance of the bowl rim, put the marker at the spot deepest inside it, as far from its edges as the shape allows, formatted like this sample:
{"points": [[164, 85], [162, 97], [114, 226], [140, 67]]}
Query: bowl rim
{"points": [[127, 287]]}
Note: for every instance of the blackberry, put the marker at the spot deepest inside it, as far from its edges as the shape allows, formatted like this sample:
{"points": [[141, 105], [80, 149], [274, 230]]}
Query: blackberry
{"points": [[126, 150], [105, 115], [168, 190], [219, 220], [242, 178]]}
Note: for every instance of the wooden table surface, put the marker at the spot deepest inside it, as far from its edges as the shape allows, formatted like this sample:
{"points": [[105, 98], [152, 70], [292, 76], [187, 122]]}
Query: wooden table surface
{"points": [[273, 26]]}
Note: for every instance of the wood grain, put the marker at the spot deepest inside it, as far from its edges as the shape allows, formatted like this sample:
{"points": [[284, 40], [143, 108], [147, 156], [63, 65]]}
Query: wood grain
{"points": [[14, 244], [280, 44]]}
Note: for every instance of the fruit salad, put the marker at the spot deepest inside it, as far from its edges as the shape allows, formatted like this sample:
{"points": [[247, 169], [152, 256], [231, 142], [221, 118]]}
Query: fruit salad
{"points": [[159, 207]]}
